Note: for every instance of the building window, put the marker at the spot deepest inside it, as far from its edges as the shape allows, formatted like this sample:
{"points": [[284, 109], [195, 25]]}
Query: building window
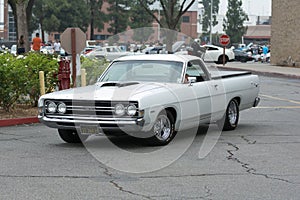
{"points": [[186, 19], [12, 33], [101, 37], [57, 36]]}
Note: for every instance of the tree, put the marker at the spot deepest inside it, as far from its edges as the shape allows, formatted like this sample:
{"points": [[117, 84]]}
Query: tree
{"points": [[97, 17], [172, 11], [207, 15], [233, 24], [22, 11], [60, 14], [39, 14], [118, 15], [140, 22]]}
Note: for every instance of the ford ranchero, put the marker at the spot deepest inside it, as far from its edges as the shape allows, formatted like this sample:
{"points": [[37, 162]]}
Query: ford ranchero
{"points": [[151, 97]]}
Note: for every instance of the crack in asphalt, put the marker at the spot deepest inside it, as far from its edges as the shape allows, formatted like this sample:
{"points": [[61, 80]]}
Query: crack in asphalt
{"points": [[46, 176], [247, 140], [193, 175], [128, 191], [119, 187], [249, 169]]}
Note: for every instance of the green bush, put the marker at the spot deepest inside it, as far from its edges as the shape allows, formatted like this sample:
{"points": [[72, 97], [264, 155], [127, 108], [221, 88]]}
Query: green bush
{"points": [[19, 77], [94, 68], [13, 76], [35, 62]]}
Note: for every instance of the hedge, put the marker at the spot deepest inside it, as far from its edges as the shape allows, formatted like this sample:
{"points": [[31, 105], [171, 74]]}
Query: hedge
{"points": [[19, 76]]}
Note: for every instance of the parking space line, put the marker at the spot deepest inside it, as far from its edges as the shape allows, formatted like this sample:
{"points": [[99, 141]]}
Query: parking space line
{"points": [[281, 99], [284, 107]]}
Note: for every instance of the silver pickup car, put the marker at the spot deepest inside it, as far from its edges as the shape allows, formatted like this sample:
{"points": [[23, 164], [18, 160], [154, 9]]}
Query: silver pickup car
{"points": [[152, 97]]}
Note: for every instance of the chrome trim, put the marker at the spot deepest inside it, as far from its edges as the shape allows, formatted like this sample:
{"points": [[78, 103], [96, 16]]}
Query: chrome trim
{"points": [[88, 118], [114, 121]]}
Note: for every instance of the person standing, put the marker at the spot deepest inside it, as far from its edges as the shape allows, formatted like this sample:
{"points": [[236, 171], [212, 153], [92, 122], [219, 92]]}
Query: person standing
{"points": [[265, 50], [56, 47], [36, 42], [21, 45]]}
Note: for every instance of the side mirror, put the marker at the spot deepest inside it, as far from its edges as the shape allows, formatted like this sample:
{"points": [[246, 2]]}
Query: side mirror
{"points": [[192, 80]]}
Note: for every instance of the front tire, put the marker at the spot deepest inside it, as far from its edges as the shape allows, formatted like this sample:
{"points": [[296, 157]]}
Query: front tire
{"points": [[163, 130], [71, 136], [231, 117]]}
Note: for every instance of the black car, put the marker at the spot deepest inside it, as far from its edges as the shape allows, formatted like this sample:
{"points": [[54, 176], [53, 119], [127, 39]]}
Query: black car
{"points": [[242, 56]]}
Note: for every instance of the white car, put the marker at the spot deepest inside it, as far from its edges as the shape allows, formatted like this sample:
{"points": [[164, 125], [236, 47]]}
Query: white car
{"points": [[149, 96], [215, 54], [108, 52], [47, 50]]}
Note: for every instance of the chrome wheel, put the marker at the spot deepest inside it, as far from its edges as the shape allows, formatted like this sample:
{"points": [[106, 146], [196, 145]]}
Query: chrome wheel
{"points": [[231, 117], [232, 112], [162, 128]]}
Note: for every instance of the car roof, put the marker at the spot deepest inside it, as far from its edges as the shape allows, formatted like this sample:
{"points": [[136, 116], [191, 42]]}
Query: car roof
{"points": [[162, 57]]}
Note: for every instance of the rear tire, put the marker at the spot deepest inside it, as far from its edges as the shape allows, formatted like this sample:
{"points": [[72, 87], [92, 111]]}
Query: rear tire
{"points": [[231, 117], [71, 136], [220, 59], [163, 130]]}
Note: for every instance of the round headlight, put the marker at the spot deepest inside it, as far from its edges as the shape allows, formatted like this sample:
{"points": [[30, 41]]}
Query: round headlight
{"points": [[62, 108], [131, 110], [51, 107], [119, 109]]}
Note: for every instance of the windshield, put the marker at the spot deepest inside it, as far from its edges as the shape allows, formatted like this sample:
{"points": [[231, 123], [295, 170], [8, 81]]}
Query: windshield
{"points": [[145, 70]]}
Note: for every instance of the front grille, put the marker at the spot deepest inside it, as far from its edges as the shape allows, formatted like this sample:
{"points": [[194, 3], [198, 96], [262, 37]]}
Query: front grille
{"points": [[93, 109]]}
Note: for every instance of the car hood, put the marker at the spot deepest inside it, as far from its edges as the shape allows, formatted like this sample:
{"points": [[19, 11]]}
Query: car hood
{"points": [[119, 91]]}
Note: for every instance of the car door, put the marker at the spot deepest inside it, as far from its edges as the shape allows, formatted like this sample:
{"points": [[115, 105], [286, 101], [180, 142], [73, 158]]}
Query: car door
{"points": [[198, 87], [211, 96]]}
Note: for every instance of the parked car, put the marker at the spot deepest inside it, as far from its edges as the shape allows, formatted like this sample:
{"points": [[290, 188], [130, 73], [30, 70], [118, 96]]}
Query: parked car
{"points": [[13, 49], [215, 54], [154, 50], [147, 96], [108, 52], [242, 56], [47, 50], [88, 49]]}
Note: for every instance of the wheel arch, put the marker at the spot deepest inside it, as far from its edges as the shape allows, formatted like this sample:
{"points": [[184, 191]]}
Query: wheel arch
{"points": [[172, 111], [238, 99]]}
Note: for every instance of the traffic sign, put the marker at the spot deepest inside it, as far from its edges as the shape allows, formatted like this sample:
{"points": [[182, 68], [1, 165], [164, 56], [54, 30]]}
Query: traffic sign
{"points": [[224, 40], [66, 40]]}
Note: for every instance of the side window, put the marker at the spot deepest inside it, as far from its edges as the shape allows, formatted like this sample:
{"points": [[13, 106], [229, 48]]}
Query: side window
{"points": [[196, 70]]}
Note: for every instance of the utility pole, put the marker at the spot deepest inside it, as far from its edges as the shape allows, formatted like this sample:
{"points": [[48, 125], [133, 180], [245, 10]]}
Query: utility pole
{"points": [[211, 18]]}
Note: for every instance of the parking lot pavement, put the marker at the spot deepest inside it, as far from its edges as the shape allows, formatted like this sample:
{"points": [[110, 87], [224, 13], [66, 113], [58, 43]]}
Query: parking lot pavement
{"points": [[264, 69]]}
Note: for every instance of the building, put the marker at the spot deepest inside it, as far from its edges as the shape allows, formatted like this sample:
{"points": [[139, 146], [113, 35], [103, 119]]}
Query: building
{"points": [[188, 27], [8, 33], [258, 34], [285, 37]]}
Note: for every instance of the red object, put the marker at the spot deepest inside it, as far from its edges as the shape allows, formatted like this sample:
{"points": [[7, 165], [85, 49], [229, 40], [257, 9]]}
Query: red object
{"points": [[18, 121], [224, 40], [64, 74]]}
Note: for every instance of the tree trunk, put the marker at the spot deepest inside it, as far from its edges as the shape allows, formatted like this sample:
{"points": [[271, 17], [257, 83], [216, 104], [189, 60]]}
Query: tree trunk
{"points": [[22, 27]]}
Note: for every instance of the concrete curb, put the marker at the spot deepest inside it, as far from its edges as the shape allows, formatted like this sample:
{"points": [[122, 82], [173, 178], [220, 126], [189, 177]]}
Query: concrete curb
{"points": [[274, 74], [18, 121]]}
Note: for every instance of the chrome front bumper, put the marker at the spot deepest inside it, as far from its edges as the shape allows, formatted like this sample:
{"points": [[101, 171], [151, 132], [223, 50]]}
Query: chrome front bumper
{"points": [[104, 123]]}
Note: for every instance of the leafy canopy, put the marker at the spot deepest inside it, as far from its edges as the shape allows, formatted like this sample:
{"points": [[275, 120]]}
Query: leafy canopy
{"points": [[235, 18]]}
